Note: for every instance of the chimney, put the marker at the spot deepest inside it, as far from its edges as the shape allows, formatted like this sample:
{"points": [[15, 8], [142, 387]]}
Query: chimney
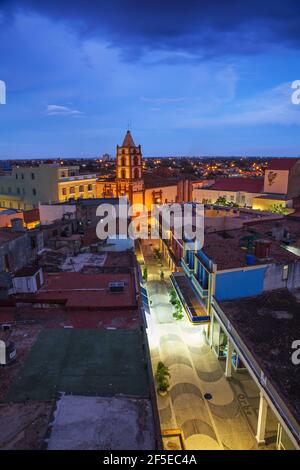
{"points": [[262, 248], [17, 225]]}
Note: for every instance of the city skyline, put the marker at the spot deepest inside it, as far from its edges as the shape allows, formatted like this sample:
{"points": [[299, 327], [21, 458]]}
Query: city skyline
{"points": [[205, 80]]}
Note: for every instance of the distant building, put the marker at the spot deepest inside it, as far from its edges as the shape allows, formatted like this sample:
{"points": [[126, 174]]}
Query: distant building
{"points": [[279, 187], [25, 187]]}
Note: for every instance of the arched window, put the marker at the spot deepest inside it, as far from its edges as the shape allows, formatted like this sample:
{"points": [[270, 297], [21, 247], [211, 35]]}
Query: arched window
{"points": [[136, 160], [123, 174], [136, 173], [123, 161]]}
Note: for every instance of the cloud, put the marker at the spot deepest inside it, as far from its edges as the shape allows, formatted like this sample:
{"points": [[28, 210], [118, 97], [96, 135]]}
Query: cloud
{"points": [[191, 29], [270, 107], [57, 110]]}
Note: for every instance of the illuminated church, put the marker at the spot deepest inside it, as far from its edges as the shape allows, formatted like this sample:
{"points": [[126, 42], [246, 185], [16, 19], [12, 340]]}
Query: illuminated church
{"points": [[129, 180]]}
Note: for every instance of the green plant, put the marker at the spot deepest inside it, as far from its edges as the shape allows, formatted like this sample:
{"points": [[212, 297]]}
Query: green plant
{"points": [[162, 376], [173, 296], [145, 273], [221, 201], [278, 209]]}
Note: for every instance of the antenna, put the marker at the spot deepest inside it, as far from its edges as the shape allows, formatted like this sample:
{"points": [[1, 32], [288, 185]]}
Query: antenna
{"points": [[129, 125]]}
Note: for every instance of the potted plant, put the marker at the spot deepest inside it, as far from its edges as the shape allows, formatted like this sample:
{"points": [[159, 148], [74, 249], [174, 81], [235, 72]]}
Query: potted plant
{"points": [[162, 377], [173, 296], [145, 274]]}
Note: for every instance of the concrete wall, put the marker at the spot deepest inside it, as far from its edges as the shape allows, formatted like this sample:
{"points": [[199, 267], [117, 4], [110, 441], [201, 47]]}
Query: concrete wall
{"points": [[27, 284], [168, 194], [210, 196], [18, 252], [51, 212], [274, 276], [237, 284]]}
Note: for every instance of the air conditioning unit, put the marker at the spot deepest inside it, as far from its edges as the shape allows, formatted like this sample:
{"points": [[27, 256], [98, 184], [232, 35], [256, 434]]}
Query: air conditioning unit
{"points": [[117, 286], [8, 352]]}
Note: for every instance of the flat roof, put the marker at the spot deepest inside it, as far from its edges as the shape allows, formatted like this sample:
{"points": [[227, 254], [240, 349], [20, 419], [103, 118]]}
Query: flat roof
{"points": [[227, 249], [78, 290], [268, 324], [83, 362], [102, 423]]}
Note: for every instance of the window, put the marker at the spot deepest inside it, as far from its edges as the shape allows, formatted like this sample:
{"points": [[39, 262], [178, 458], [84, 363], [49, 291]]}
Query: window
{"points": [[22, 176], [136, 160], [32, 176], [90, 187], [23, 190], [18, 190], [64, 191], [6, 263], [136, 173], [16, 176], [34, 191], [123, 174], [81, 188], [72, 190], [285, 272]]}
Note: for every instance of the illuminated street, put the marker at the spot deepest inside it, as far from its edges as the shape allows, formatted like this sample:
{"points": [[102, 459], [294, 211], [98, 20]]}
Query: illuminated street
{"points": [[215, 424]]}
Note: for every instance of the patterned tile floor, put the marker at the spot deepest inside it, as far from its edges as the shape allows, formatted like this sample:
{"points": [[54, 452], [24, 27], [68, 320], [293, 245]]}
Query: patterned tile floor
{"points": [[219, 423]]}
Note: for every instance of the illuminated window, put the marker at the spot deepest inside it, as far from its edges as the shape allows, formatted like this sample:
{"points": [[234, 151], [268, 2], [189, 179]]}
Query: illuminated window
{"points": [[72, 190]]}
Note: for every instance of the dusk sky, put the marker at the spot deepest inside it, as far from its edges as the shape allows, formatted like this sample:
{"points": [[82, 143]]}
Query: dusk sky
{"points": [[190, 77]]}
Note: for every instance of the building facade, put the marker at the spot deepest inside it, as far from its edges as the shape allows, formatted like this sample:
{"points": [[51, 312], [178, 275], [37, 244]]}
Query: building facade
{"points": [[25, 187]]}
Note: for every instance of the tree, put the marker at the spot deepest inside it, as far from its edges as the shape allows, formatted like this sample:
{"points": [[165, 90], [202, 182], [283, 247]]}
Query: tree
{"points": [[221, 201], [162, 376]]}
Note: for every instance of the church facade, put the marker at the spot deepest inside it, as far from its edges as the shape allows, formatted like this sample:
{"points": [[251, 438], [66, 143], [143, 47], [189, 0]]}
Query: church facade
{"points": [[129, 180]]}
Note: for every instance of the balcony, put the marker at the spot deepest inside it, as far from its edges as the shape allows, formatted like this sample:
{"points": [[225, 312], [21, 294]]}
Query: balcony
{"points": [[203, 292], [188, 271], [192, 304], [79, 177]]}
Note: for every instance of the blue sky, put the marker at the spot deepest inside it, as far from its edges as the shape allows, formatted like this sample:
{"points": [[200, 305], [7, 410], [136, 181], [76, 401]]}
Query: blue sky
{"points": [[191, 78]]}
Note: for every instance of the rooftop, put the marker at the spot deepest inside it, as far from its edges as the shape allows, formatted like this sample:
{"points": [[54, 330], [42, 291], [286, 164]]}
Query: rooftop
{"points": [[282, 163], [228, 250], [250, 185], [77, 290], [268, 325], [7, 235], [128, 140], [125, 423]]}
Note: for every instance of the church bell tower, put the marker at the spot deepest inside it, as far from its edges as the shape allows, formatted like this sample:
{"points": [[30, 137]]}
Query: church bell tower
{"points": [[129, 170]]}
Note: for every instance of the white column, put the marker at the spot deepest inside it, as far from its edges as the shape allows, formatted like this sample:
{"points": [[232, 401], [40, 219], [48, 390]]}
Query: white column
{"points": [[229, 359], [262, 419], [211, 328]]}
